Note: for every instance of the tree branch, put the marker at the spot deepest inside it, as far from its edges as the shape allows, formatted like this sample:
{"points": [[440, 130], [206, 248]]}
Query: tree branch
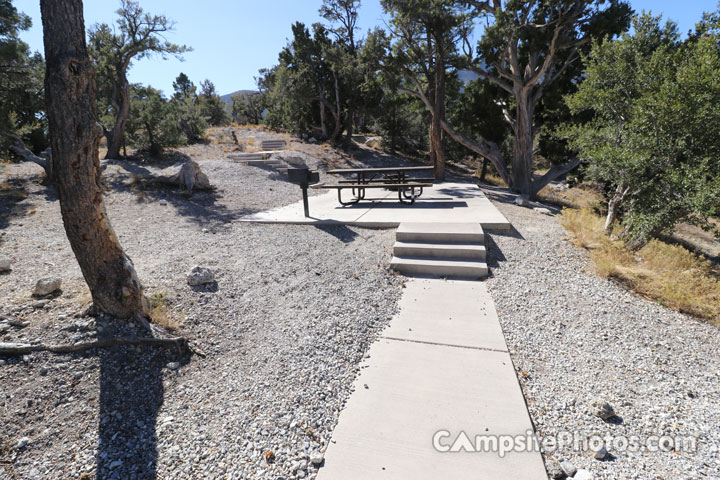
{"points": [[553, 173]]}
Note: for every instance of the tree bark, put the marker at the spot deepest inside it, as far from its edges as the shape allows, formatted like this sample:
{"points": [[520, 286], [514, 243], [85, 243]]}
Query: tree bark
{"points": [[116, 136], [614, 207], [75, 136], [522, 167], [185, 127], [323, 123]]}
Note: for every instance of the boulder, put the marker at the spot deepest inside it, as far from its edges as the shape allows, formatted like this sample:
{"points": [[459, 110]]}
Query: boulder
{"points": [[46, 286], [200, 276]]}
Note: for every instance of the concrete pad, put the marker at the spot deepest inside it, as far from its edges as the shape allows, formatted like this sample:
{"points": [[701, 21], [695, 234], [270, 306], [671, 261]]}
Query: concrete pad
{"points": [[415, 390], [448, 312], [444, 202]]}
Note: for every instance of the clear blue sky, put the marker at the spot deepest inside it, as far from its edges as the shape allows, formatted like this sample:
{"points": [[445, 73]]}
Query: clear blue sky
{"points": [[232, 40]]}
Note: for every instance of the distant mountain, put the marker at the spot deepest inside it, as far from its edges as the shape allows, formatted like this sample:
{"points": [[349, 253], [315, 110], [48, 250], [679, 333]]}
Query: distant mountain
{"points": [[228, 98]]}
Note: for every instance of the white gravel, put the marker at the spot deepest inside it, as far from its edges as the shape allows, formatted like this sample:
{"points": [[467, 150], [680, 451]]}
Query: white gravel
{"points": [[576, 338], [292, 312]]}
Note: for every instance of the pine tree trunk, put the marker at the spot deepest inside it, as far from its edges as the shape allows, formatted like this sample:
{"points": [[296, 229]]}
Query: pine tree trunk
{"points": [[116, 136], [75, 136], [436, 130], [522, 168], [323, 122]]}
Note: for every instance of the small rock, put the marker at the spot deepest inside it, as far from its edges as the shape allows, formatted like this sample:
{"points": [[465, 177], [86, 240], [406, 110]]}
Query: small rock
{"points": [[316, 459], [555, 471], [200, 275], [4, 327], [205, 230], [16, 322], [600, 453], [522, 201], [173, 365], [603, 409], [312, 140], [46, 286], [40, 303], [22, 443], [583, 474], [568, 468], [542, 210], [5, 263]]}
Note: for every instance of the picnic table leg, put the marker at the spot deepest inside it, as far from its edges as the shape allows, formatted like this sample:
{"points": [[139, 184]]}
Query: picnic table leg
{"points": [[352, 202], [420, 192], [411, 197]]}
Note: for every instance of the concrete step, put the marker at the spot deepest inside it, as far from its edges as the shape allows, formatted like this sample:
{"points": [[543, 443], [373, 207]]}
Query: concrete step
{"points": [[439, 250], [442, 267], [273, 144], [260, 163], [440, 233]]}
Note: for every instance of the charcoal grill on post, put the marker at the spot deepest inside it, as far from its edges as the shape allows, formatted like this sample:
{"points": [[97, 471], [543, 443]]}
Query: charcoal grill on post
{"points": [[303, 177]]}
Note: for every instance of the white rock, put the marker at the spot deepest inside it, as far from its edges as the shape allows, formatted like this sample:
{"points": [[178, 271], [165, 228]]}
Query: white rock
{"points": [[5, 263], [522, 201], [200, 275], [542, 210], [22, 443], [568, 468], [46, 286], [583, 474], [316, 459]]}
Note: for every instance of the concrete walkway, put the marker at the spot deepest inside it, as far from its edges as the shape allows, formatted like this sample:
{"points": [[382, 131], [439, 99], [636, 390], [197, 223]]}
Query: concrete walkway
{"points": [[441, 365], [443, 202]]}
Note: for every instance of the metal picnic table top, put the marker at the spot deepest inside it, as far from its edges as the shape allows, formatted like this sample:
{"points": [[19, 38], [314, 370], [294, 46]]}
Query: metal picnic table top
{"points": [[349, 171]]}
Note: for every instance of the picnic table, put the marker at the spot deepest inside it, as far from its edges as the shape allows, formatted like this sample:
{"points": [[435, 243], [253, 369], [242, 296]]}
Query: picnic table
{"points": [[392, 178]]}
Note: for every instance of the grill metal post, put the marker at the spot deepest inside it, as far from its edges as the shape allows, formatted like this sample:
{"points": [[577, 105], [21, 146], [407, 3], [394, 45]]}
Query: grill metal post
{"points": [[303, 177]]}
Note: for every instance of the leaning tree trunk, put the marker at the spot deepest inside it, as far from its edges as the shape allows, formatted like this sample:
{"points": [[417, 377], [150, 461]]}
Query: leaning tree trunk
{"points": [[522, 168], [116, 136], [74, 136], [436, 130], [614, 207]]}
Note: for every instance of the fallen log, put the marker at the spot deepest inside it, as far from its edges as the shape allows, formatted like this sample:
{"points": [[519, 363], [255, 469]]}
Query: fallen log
{"points": [[22, 348], [17, 146]]}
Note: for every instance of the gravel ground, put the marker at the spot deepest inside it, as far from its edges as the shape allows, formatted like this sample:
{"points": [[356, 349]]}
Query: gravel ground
{"points": [[284, 327], [576, 339]]}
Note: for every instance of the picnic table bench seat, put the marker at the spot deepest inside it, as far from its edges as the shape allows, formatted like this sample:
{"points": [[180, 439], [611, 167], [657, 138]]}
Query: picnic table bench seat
{"points": [[406, 190]]}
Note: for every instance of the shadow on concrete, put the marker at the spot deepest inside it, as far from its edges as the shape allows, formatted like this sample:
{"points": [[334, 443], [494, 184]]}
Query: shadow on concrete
{"points": [[341, 232], [420, 204]]}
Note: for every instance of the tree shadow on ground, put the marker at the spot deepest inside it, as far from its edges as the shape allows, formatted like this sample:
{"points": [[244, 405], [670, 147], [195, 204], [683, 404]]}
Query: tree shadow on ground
{"points": [[131, 394], [341, 232], [14, 199], [201, 206]]}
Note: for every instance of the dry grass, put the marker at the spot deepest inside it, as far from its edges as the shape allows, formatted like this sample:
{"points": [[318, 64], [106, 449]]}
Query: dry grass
{"points": [[669, 274], [160, 313], [582, 196], [14, 194]]}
